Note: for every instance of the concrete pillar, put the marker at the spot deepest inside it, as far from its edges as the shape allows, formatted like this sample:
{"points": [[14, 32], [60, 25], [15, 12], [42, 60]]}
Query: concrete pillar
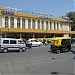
{"points": [[15, 22], [36, 25], [5, 35], [0, 21], [3, 21], [0, 35], [69, 27], [44, 25], [54, 35], [33, 35], [26, 23], [20, 35], [20, 22], [40, 24], [59, 26], [31, 23], [52, 25], [9, 22], [48, 25], [55, 25], [44, 35]]}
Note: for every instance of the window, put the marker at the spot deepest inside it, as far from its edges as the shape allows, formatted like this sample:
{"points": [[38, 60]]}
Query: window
{"points": [[38, 24], [29, 23], [69, 27], [36, 40], [54, 26], [12, 22], [33, 24], [20, 42], [5, 41], [61, 25], [46, 25], [23, 23], [57, 26], [50, 25], [6, 22], [12, 41], [18, 22], [42, 24]]}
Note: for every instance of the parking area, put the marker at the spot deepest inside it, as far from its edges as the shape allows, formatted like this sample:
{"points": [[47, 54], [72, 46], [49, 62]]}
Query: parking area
{"points": [[37, 61]]}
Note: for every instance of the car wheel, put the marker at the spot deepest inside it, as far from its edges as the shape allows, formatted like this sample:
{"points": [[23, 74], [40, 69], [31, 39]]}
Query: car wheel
{"points": [[58, 51], [5, 50], [40, 44], [66, 50], [20, 50]]}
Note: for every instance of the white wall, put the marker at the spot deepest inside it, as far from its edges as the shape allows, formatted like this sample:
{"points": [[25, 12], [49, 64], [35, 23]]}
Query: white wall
{"points": [[66, 35], [0, 21], [65, 27]]}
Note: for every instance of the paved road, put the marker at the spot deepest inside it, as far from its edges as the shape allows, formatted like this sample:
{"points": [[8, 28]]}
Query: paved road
{"points": [[37, 61]]}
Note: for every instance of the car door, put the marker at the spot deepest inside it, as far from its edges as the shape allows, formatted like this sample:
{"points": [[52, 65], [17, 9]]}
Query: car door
{"points": [[5, 44], [35, 43], [13, 45], [21, 44]]}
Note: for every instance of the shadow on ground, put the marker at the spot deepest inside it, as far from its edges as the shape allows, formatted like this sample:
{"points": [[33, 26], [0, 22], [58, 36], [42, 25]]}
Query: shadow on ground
{"points": [[57, 73]]}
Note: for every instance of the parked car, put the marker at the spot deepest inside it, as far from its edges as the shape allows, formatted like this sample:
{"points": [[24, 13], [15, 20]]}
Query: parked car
{"points": [[7, 44], [35, 42]]}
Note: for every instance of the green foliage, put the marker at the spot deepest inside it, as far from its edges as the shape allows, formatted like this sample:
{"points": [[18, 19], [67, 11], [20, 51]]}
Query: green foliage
{"points": [[71, 16]]}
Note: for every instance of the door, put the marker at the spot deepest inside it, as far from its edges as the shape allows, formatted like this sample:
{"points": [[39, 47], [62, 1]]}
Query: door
{"points": [[13, 45]]}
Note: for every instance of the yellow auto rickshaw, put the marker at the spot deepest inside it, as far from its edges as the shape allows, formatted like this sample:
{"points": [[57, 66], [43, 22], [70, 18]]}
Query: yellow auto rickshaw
{"points": [[60, 44]]}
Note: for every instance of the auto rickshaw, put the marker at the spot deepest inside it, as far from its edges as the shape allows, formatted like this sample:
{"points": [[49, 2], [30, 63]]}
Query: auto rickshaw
{"points": [[43, 40], [60, 44]]}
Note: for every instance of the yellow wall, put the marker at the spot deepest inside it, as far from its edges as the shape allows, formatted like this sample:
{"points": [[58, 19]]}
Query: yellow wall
{"points": [[2, 8]]}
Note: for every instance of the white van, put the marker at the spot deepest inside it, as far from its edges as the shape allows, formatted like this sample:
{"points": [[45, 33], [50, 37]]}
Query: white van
{"points": [[7, 44]]}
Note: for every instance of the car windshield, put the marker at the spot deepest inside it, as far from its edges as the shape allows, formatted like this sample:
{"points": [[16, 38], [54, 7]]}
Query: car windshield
{"points": [[20, 42], [36, 40]]}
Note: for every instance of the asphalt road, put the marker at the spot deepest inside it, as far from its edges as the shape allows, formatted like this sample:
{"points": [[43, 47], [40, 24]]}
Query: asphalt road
{"points": [[37, 61]]}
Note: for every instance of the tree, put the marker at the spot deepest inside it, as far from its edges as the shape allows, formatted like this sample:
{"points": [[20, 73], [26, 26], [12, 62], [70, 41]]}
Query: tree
{"points": [[71, 16]]}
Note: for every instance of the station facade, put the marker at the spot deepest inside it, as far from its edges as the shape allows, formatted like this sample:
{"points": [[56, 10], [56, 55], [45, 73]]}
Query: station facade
{"points": [[24, 25]]}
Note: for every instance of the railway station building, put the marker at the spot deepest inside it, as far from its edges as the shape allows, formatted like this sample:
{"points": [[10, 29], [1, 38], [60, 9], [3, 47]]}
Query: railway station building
{"points": [[20, 24]]}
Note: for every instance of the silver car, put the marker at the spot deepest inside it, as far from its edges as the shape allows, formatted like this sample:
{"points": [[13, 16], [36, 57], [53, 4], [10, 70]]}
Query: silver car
{"points": [[7, 44]]}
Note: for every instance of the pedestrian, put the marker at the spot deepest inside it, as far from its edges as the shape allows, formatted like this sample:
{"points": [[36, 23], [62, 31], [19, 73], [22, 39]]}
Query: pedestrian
{"points": [[68, 45]]}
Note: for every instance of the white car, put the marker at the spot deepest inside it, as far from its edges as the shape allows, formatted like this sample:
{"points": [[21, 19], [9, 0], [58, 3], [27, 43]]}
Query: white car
{"points": [[35, 42]]}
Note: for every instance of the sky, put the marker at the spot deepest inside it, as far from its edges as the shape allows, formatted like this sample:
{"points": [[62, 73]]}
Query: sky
{"points": [[56, 7]]}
